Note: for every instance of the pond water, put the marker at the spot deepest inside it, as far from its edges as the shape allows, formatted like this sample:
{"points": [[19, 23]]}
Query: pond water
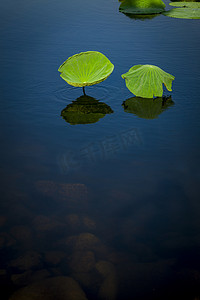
{"points": [[113, 202]]}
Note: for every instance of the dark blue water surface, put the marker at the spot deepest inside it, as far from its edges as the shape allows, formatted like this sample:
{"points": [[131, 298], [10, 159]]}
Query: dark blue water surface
{"points": [[113, 204]]}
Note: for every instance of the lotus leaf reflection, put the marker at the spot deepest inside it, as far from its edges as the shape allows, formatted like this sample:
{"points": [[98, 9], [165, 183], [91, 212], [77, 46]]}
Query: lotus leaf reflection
{"points": [[85, 110], [147, 108], [141, 17]]}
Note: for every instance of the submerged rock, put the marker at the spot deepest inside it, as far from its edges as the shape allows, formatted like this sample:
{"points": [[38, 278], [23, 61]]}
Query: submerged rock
{"points": [[105, 268], [2, 220], [82, 261], [108, 289], [54, 257], [73, 221], [3, 275], [21, 279], [85, 279], [89, 223], [70, 193], [23, 235], [28, 277], [56, 288], [87, 241], [47, 187], [29, 260], [43, 223], [73, 191], [21, 232], [6, 240], [79, 223]]}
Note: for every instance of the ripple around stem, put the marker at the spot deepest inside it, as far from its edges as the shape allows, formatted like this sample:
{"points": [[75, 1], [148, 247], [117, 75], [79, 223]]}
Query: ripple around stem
{"points": [[99, 92]]}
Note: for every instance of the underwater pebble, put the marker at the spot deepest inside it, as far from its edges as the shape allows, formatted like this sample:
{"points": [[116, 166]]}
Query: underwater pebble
{"points": [[87, 241], [59, 288], [43, 223], [89, 223], [21, 279], [108, 289], [54, 257], [73, 221], [2, 220], [85, 279], [40, 275], [27, 261], [69, 241], [75, 191], [3, 272], [115, 257], [80, 223], [20, 232], [4, 277], [82, 261], [105, 268], [47, 187], [72, 193], [28, 277], [55, 271], [6, 240]]}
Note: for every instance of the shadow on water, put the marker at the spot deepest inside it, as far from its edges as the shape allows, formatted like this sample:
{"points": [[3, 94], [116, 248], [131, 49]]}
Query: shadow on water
{"points": [[85, 110], [141, 17], [147, 108]]}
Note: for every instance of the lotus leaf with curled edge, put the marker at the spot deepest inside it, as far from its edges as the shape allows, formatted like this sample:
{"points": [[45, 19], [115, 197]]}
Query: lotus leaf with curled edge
{"points": [[86, 68], [183, 13], [147, 81], [186, 4], [142, 6]]}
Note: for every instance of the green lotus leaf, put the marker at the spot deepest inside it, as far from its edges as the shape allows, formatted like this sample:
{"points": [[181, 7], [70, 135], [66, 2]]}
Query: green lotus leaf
{"points": [[186, 4], [183, 13], [147, 81], [86, 68], [85, 110], [147, 108], [142, 6]]}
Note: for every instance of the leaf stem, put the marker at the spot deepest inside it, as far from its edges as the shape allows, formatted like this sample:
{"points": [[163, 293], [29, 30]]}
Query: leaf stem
{"points": [[84, 91]]}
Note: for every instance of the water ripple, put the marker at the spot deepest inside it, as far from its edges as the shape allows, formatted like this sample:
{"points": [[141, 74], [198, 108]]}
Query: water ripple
{"points": [[99, 92]]}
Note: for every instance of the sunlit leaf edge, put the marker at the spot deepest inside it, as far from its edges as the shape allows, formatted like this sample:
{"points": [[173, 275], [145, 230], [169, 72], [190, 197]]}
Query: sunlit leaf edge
{"points": [[82, 84], [147, 81]]}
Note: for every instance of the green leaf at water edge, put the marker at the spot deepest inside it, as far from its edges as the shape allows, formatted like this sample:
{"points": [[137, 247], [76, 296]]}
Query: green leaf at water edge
{"points": [[86, 68], [147, 81], [186, 4], [183, 13], [142, 6]]}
